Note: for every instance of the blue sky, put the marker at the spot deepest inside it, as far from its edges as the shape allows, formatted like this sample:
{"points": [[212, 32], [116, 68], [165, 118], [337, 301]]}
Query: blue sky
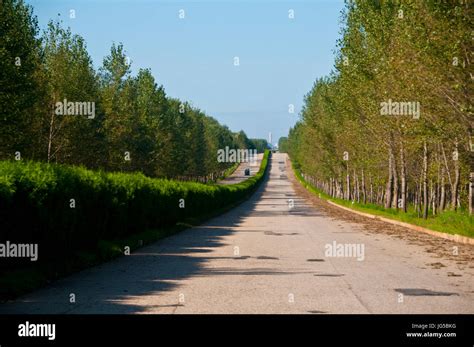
{"points": [[193, 58]]}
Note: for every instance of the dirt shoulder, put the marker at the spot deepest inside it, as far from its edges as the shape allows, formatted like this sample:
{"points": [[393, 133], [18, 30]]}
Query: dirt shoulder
{"points": [[438, 247]]}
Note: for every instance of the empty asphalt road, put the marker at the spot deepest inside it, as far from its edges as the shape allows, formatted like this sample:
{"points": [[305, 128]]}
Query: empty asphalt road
{"points": [[239, 174], [268, 256]]}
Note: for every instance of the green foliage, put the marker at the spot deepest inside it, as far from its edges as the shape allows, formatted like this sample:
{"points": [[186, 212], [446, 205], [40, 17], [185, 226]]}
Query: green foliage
{"points": [[70, 75], [136, 127], [415, 52], [241, 140], [260, 145], [20, 79], [450, 222], [283, 145], [36, 205]]}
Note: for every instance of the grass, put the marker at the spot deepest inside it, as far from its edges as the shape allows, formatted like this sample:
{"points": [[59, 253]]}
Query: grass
{"points": [[229, 171], [451, 222]]}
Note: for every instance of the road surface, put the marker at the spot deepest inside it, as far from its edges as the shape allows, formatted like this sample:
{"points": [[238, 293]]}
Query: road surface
{"points": [[267, 257], [239, 174]]}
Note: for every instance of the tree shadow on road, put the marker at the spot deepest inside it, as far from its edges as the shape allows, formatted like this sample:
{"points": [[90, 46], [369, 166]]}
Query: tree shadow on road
{"points": [[156, 269]]}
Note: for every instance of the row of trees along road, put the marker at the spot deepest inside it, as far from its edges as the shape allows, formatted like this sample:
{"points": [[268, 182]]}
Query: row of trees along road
{"points": [[417, 52], [136, 126]]}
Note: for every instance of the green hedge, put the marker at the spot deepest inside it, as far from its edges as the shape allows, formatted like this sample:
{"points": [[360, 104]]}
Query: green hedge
{"points": [[35, 204]]}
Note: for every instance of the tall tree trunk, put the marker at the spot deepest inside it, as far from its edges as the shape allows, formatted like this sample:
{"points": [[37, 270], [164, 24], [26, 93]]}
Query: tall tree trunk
{"points": [[433, 197], [442, 197], [438, 182], [364, 191], [388, 190], [339, 186], [403, 178], [371, 194], [420, 195], [348, 184], [455, 187], [356, 187], [395, 183], [50, 137], [471, 193], [448, 173], [417, 197], [425, 180]]}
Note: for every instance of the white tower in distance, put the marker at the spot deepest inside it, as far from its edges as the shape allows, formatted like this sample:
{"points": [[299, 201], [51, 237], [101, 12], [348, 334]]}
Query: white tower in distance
{"points": [[270, 139]]}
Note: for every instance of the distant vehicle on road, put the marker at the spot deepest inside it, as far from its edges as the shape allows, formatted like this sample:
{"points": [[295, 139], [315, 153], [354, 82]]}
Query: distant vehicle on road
{"points": [[247, 172]]}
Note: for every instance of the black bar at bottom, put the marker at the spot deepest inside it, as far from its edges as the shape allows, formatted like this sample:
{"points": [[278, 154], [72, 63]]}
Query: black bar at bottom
{"points": [[155, 330]]}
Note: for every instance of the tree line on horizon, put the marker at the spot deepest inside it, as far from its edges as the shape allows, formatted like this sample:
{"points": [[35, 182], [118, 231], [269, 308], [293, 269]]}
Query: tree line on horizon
{"points": [[135, 126], [393, 124]]}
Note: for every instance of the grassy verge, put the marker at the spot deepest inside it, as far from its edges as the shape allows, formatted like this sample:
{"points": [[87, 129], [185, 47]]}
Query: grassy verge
{"points": [[229, 171], [20, 280], [450, 222]]}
